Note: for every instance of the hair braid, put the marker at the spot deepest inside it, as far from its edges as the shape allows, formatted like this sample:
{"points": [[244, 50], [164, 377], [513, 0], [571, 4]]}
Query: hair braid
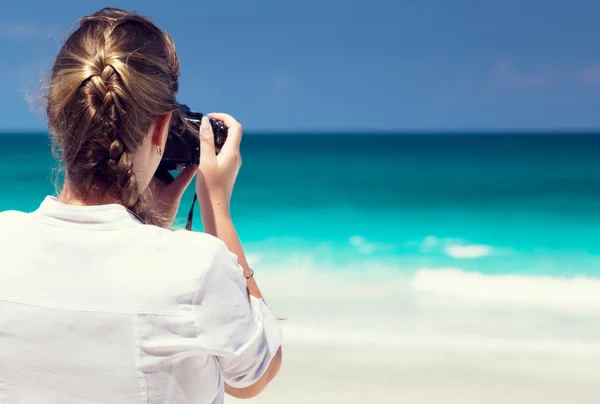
{"points": [[118, 165], [112, 78]]}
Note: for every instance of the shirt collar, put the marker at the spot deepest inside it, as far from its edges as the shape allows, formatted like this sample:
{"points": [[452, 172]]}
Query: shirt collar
{"points": [[97, 216]]}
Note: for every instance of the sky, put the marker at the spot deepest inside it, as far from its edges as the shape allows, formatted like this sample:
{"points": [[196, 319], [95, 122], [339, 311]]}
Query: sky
{"points": [[344, 65]]}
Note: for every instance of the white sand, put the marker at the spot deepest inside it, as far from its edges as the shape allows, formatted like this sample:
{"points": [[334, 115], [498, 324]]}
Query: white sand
{"points": [[351, 341], [356, 374]]}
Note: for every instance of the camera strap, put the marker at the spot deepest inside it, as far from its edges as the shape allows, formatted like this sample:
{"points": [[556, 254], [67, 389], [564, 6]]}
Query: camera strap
{"points": [[188, 225]]}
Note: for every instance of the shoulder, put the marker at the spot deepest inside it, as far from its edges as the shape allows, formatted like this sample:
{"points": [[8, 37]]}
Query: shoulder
{"points": [[179, 239], [170, 267], [12, 216], [188, 265], [192, 254], [214, 252], [207, 256], [12, 221]]}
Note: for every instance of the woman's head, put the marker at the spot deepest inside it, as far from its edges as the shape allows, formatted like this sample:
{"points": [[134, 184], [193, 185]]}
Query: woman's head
{"points": [[111, 95]]}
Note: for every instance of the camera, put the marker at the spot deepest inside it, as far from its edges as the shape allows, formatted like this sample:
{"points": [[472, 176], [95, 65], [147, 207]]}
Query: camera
{"points": [[183, 142]]}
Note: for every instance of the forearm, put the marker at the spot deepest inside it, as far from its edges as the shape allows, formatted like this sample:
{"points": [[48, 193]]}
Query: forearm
{"points": [[218, 223], [261, 384]]}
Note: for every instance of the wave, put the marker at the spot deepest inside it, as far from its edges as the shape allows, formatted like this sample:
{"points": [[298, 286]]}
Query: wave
{"points": [[326, 270], [362, 245], [365, 246], [309, 278], [576, 293], [434, 309], [455, 248], [468, 251]]}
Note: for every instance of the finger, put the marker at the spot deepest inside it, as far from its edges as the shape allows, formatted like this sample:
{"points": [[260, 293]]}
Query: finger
{"points": [[207, 140], [234, 131], [183, 180]]}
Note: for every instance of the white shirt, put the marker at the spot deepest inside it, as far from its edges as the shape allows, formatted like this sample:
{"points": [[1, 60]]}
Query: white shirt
{"points": [[96, 307]]}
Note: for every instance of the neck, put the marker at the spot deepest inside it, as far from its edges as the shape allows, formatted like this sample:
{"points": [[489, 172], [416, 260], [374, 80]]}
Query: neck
{"points": [[71, 196]]}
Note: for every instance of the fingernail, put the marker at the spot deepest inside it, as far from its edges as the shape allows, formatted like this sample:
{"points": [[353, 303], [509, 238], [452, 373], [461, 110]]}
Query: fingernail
{"points": [[204, 123]]}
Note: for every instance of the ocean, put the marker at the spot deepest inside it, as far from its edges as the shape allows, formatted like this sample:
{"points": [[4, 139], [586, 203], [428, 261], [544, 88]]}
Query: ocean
{"points": [[462, 243], [495, 204]]}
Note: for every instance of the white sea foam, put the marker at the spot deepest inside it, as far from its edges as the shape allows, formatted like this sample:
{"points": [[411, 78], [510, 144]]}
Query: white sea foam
{"points": [[429, 242], [254, 259], [577, 293], [455, 248], [362, 245], [303, 274], [468, 251], [435, 312], [368, 247]]}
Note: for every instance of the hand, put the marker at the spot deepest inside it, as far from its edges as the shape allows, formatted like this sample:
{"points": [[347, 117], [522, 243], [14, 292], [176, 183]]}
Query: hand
{"points": [[167, 198], [217, 173]]}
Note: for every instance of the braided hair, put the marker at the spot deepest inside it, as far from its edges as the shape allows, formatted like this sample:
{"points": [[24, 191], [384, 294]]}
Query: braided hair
{"points": [[112, 78]]}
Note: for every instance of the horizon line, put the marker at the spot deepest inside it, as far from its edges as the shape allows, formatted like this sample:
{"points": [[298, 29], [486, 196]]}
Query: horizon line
{"points": [[386, 132]]}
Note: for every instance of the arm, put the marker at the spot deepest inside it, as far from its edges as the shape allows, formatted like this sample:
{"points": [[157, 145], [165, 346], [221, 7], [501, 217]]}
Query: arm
{"points": [[221, 226], [259, 386], [216, 176]]}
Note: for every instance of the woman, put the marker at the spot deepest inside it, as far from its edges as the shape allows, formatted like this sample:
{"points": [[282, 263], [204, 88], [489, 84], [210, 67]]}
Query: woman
{"points": [[99, 300]]}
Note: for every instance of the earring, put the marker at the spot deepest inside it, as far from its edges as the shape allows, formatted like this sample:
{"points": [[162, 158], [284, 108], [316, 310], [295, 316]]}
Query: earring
{"points": [[159, 150]]}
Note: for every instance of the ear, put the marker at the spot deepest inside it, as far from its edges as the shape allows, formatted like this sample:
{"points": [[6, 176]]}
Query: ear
{"points": [[160, 129]]}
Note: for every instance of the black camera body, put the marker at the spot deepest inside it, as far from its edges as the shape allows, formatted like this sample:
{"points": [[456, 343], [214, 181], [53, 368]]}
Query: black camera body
{"points": [[183, 142]]}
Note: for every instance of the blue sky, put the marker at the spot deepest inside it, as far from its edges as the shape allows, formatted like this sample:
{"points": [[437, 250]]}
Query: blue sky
{"points": [[347, 65]]}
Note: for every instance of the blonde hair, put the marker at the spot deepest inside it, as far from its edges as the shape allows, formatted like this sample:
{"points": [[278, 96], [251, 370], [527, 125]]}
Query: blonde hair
{"points": [[112, 78]]}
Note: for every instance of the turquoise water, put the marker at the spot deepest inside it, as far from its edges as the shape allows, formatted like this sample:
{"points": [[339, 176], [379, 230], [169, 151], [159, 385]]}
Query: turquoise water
{"points": [[495, 204]]}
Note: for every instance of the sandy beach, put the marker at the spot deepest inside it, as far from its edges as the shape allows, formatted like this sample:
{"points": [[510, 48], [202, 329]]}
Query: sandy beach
{"points": [[363, 375], [387, 343]]}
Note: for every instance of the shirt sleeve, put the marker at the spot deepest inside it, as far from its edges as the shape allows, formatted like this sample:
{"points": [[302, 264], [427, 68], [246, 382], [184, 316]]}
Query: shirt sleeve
{"points": [[235, 327]]}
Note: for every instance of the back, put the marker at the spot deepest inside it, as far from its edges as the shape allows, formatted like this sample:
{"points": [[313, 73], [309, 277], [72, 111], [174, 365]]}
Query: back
{"points": [[96, 307]]}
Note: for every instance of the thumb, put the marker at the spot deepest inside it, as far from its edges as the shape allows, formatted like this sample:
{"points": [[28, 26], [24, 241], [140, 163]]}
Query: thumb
{"points": [[180, 184]]}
